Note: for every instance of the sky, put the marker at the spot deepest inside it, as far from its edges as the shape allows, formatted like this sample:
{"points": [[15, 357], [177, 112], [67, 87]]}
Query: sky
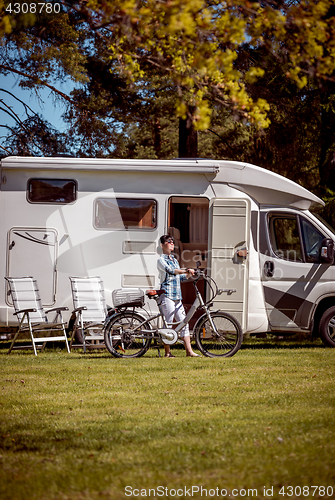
{"points": [[46, 106]]}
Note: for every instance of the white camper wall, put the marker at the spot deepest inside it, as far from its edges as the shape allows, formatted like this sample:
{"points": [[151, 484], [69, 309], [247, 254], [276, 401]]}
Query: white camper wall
{"points": [[120, 257]]}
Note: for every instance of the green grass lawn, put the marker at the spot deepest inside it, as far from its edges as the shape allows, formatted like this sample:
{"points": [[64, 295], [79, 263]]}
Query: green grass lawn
{"points": [[94, 427]]}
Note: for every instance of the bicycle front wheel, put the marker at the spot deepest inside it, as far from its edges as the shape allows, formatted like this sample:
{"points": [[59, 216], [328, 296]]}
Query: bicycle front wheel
{"points": [[219, 337], [124, 337]]}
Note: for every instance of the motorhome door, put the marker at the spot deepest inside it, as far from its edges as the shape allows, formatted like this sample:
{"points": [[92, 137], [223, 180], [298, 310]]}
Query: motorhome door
{"points": [[229, 232], [292, 274], [33, 252]]}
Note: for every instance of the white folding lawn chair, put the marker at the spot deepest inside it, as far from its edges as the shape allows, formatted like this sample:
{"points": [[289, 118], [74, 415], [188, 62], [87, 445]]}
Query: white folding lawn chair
{"points": [[31, 316], [90, 309]]}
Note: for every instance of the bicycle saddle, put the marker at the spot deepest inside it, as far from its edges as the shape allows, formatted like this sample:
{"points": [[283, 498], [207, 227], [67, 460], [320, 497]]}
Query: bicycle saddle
{"points": [[152, 293]]}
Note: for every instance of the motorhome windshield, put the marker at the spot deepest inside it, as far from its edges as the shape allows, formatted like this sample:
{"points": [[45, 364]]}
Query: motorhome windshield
{"points": [[324, 222]]}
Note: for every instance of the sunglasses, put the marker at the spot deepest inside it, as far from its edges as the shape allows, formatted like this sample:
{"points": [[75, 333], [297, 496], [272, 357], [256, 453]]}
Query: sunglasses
{"points": [[170, 241]]}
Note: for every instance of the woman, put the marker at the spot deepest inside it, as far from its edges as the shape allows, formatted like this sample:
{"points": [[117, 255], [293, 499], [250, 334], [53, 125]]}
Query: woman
{"points": [[170, 276]]}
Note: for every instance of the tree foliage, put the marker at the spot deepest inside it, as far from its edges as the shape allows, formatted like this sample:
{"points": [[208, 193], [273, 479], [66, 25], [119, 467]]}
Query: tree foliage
{"points": [[196, 43], [258, 75], [193, 43]]}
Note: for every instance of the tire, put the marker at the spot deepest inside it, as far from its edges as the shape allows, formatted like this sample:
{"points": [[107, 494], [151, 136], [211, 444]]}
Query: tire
{"points": [[78, 335], [120, 338], [226, 342], [79, 338], [327, 327]]}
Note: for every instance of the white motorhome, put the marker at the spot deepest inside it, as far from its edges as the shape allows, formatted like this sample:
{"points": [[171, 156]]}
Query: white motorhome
{"points": [[64, 217]]}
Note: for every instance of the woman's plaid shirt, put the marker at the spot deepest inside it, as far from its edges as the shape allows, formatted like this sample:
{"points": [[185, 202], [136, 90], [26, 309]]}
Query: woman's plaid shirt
{"points": [[170, 282]]}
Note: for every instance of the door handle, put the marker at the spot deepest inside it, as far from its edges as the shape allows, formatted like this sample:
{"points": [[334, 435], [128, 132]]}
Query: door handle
{"points": [[269, 268]]}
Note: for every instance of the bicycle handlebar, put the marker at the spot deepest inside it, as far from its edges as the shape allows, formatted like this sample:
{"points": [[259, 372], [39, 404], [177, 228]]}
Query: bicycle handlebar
{"points": [[210, 281], [197, 271]]}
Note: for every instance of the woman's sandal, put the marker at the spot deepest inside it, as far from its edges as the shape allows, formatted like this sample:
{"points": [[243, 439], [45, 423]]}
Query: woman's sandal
{"points": [[169, 356]]}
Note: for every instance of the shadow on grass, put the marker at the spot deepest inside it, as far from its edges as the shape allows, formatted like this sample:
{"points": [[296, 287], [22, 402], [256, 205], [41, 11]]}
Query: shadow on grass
{"points": [[288, 341], [293, 345], [268, 341]]}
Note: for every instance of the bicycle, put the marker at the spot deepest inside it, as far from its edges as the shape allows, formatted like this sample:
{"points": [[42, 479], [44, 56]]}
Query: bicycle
{"points": [[128, 334]]}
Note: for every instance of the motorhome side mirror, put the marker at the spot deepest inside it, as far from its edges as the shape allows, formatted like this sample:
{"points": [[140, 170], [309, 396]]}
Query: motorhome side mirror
{"points": [[327, 251]]}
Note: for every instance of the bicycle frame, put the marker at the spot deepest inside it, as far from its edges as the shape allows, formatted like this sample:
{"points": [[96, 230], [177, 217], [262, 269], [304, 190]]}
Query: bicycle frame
{"points": [[129, 332], [198, 302], [178, 326]]}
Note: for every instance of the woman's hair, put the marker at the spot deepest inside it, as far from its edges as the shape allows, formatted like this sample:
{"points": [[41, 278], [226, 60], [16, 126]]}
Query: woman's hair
{"points": [[163, 239]]}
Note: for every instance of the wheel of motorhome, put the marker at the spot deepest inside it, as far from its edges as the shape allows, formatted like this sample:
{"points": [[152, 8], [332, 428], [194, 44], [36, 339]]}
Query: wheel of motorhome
{"points": [[123, 335], [78, 336], [223, 342], [327, 327], [80, 339]]}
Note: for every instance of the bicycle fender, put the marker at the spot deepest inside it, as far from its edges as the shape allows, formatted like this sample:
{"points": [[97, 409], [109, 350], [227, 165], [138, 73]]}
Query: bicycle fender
{"points": [[116, 313]]}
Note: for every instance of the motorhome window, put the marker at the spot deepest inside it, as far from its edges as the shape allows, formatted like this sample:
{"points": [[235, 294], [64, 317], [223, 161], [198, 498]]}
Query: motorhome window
{"points": [[125, 213], [285, 238], [312, 241], [51, 191]]}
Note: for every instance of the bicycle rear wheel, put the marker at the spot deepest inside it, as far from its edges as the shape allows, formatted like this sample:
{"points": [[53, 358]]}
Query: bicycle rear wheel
{"points": [[124, 337], [223, 342]]}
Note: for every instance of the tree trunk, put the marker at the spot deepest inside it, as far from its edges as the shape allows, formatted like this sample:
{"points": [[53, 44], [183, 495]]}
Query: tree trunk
{"points": [[157, 138], [188, 137], [327, 142]]}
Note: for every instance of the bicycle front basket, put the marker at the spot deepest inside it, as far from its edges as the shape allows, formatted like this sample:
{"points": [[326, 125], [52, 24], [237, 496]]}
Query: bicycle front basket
{"points": [[130, 297]]}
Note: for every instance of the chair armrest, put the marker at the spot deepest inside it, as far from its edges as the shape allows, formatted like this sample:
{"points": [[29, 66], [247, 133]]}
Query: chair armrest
{"points": [[25, 311], [79, 309], [57, 309]]}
